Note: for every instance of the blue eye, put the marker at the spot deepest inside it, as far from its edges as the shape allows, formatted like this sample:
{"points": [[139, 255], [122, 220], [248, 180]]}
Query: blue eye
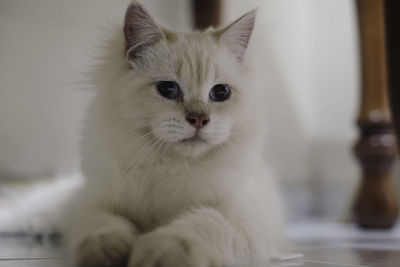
{"points": [[169, 89], [220, 92]]}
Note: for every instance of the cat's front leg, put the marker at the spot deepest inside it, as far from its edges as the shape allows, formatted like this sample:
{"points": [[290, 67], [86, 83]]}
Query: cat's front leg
{"points": [[201, 238], [102, 239]]}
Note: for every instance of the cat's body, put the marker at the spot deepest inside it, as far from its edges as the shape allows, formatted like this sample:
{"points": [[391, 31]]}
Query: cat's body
{"points": [[174, 181]]}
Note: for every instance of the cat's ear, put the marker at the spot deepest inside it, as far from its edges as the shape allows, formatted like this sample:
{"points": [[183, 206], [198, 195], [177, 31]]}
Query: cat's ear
{"points": [[140, 31], [237, 35]]}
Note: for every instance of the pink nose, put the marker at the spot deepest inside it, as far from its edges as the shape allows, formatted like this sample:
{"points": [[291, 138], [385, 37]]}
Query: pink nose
{"points": [[197, 120]]}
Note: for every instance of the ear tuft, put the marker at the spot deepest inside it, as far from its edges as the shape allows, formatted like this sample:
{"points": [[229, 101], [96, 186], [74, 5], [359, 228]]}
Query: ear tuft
{"points": [[237, 35], [140, 31]]}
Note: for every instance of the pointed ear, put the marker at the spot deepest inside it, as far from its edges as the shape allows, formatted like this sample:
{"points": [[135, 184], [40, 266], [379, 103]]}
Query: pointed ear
{"points": [[237, 35], [140, 31]]}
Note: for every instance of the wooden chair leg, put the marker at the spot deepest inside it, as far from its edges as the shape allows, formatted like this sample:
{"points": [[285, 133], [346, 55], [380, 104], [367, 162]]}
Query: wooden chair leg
{"points": [[376, 205], [206, 13], [392, 11]]}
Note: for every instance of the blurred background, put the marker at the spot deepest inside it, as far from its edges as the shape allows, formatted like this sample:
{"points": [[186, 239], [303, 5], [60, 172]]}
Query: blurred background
{"points": [[46, 46]]}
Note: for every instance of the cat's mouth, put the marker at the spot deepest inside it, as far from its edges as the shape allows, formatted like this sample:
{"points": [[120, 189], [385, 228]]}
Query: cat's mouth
{"points": [[196, 138]]}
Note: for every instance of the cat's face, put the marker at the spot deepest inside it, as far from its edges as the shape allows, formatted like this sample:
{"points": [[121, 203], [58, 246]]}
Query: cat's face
{"points": [[184, 91]]}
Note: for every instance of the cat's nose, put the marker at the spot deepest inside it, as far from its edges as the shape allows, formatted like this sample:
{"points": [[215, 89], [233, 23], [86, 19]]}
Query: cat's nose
{"points": [[197, 120]]}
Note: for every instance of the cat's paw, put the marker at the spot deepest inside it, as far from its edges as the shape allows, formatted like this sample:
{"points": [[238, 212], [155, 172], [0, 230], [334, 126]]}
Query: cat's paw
{"points": [[108, 249], [169, 250]]}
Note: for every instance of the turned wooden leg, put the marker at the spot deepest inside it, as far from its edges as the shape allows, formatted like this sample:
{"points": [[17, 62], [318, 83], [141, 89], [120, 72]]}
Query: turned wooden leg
{"points": [[206, 13], [376, 204], [392, 11]]}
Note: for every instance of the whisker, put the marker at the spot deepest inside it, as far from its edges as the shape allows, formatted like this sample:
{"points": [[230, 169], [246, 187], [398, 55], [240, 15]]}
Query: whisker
{"points": [[137, 154], [156, 150], [253, 159]]}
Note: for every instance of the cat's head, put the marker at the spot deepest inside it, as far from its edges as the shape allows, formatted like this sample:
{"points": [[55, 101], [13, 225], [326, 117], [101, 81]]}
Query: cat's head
{"points": [[184, 91]]}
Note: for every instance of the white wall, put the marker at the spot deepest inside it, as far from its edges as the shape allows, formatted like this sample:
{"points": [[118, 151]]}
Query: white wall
{"points": [[314, 58], [316, 44], [45, 47]]}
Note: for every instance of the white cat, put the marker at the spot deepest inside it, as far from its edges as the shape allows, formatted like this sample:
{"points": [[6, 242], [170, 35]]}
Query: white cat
{"points": [[172, 153]]}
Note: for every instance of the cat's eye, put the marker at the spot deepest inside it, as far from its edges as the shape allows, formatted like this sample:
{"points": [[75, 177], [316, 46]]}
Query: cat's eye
{"points": [[169, 89], [220, 92]]}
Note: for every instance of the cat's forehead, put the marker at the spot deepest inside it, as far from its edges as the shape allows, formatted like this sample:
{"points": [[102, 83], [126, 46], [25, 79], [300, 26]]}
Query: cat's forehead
{"points": [[196, 59]]}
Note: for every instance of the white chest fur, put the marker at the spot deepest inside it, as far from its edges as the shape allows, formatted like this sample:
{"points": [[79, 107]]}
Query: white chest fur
{"points": [[153, 196]]}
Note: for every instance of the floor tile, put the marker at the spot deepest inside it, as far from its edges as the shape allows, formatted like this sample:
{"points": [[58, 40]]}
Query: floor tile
{"points": [[34, 263], [352, 249]]}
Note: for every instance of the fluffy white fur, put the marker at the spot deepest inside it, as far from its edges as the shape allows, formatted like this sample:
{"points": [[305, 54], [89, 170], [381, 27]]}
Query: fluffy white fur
{"points": [[36, 209], [152, 199]]}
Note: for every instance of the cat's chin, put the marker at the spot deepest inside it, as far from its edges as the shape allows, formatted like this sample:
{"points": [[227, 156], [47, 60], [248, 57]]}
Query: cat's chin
{"points": [[191, 147], [194, 146]]}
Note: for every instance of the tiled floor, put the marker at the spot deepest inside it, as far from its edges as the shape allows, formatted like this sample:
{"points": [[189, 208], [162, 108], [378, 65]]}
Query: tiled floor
{"points": [[329, 244], [324, 245]]}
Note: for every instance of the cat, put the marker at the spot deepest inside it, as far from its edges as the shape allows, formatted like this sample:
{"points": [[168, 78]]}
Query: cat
{"points": [[172, 152]]}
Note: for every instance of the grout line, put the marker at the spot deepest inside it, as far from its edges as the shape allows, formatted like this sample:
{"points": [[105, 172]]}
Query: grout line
{"points": [[336, 263], [29, 259]]}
